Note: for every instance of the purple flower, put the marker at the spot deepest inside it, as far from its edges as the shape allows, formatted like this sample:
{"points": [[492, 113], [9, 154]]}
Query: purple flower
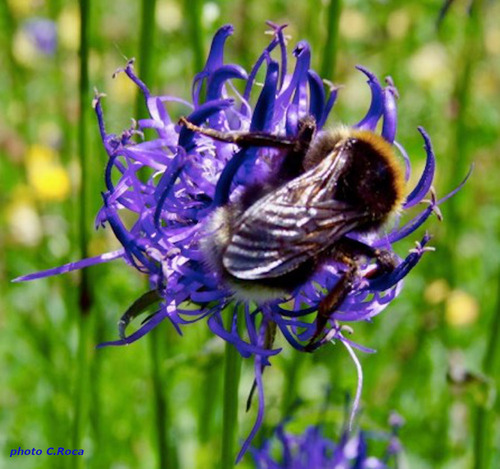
{"points": [[43, 33], [313, 450], [191, 175]]}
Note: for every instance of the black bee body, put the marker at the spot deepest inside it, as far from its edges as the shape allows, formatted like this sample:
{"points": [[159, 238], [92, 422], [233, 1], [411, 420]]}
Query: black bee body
{"points": [[270, 241]]}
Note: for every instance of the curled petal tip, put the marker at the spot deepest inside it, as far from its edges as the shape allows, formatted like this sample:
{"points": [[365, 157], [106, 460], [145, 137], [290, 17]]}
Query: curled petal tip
{"points": [[423, 132], [427, 140], [424, 184], [391, 86], [454, 191], [301, 47], [218, 42], [390, 114], [277, 27], [371, 76], [226, 29], [97, 98], [331, 86], [376, 108], [129, 66]]}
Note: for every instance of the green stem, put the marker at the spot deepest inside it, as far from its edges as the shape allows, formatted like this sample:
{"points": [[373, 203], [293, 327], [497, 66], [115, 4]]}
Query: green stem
{"points": [[167, 456], [85, 299], [329, 63], [147, 49], [211, 386], [470, 55], [164, 450], [290, 391], [311, 24], [84, 103], [484, 420], [17, 77], [232, 372], [194, 10], [82, 383], [243, 45]]}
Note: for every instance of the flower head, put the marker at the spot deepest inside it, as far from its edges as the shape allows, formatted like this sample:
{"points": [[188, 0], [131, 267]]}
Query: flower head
{"points": [[312, 449], [193, 175]]}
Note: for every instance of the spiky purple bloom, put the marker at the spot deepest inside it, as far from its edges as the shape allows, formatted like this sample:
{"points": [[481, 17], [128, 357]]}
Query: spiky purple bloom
{"points": [[43, 33], [313, 450], [192, 175]]}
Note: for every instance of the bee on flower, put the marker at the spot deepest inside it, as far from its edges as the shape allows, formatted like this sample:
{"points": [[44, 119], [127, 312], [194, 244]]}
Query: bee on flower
{"points": [[255, 205]]}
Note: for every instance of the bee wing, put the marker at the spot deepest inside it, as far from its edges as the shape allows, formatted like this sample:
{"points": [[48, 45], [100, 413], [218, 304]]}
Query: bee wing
{"points": [[291, 224]]}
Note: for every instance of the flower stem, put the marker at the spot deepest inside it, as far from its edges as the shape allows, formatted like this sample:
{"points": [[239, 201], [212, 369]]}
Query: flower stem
{"points": [[194, 11], [232, 371], [211, 384], [329, 62], [146, 51], [470, 55], [243, 45], [483, 418], [311, 22], [167, 457], [328, 71], [82, 378], [290, 391], [16, 75], [85, 298]]}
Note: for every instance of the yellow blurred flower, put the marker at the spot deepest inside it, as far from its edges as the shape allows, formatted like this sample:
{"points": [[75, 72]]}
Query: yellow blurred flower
{"points": [[51, 183], [430, 66], [24, 223], [69, 27], [354, 24], [169, 16], [40, 154], [492, 41], [49, 180], [20, 8], [123, 89], [210, 13], [398, 23], [437, 291], [24, 50], [461, 309]]}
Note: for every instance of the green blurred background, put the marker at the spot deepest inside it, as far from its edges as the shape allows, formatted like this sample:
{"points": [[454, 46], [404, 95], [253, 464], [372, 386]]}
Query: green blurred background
{"points": [[437, 343]]}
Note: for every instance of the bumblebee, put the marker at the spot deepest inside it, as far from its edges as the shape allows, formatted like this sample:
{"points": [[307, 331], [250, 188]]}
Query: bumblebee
{"points": [[327, 186]]}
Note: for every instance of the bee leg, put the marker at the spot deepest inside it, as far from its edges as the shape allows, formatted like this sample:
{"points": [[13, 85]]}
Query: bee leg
{"points": [[242, 139], [333, 300], [349, 252], [292, 164], [386, 263], [385, 260]]}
